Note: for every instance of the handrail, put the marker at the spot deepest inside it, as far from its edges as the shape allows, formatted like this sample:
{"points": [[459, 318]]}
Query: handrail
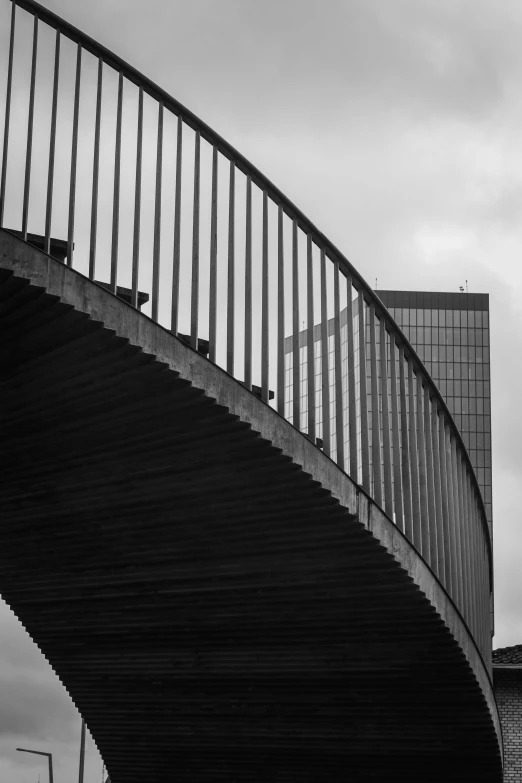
{"points": [[152, 89], [371, 311]]}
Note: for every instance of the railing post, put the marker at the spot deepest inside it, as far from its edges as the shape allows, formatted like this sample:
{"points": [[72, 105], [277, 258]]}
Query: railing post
{"points": [[414, 457], [212, 321], [464, 540], [339, 427], [95, 172], [7, 117], [352, 401], [437, 470], [448, 580], [406, 461], [231, 303], [310, 340], [157, 218], [30, 121], [423, 478], [376, 427], [248, 284], [451, 515], [386, 445], [265, 322], [137, 204], [458, 525], [194, 293], [296, 348], [52, 146], [325, 372], [116, 192], [74, 155], [280, 314], [430, 481], [397, 477], [363, 401]]}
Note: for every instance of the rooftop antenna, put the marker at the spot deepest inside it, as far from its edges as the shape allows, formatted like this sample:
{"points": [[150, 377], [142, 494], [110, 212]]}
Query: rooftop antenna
{"points": [[376, 284], [461, 289], [466, 286]]}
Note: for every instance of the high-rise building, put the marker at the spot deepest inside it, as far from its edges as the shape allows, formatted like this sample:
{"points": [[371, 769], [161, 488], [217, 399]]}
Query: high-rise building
{"points": [[450, 332]]}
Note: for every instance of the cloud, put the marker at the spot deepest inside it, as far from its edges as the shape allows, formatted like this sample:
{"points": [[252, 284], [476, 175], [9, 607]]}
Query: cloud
{"points": [[395, 127]]}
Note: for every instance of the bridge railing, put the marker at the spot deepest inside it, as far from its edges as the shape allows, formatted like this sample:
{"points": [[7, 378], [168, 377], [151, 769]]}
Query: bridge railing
{"points": [[153, 204]]}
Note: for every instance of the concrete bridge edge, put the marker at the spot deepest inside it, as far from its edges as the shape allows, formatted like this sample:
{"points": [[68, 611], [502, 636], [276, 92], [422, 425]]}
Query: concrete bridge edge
{"points": [[73, 288]]}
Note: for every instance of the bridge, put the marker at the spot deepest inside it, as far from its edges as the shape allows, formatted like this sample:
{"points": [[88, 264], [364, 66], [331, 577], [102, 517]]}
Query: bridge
{"points": [[237, 516]]}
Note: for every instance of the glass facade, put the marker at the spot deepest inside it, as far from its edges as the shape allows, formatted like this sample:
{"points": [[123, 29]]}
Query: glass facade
{"points": [[450, 332]]}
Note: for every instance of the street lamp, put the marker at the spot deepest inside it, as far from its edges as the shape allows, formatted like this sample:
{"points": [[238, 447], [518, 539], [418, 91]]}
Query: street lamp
{"points": [[41, 753]]}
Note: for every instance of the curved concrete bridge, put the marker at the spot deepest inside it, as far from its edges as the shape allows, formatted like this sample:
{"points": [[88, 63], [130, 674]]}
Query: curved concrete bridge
{"points": [[219, 598], [225, 595]]}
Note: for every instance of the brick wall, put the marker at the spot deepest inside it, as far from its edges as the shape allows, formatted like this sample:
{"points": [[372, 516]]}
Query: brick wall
{"points": [[508, 693]]}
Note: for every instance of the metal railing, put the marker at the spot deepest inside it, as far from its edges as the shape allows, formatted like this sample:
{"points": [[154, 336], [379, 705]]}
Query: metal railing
{"points": [[146, 196]]}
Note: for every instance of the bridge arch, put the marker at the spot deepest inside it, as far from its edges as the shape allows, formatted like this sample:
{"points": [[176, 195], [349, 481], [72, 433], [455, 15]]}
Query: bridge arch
{"points": [[292, 331]]}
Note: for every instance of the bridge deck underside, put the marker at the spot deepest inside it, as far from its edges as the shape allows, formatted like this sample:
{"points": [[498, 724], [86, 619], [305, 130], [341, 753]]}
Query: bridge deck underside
{"points": [[213, 611]]}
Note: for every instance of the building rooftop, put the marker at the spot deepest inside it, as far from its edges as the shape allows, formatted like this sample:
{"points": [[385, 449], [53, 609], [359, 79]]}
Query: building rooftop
{"points": [[508, 655]]}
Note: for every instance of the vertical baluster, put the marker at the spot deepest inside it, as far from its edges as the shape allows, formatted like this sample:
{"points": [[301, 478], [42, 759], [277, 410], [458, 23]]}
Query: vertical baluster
{"points": [[231, 302], [116, 192], [137, 204], [474, 539], [325, 371], [423, 478], [352, 400], [488, 598], [30, 121], [438, 492], [444, 497], [464, 539], [405, 442], [339, 428], [386, 445], [480, 548], [365, 445], [74, 156], [430, 479], [7, 115], [177, 230], [469, 554], [415, 494], [157, 217], [376, 427], [485, 602], [95, 171], [482, 597], [310, 339], [264, 305], [467, 549], [52, 147], [455, 458], [471, 544], [451, 517], [212, 324], [296, 352], [476, 578], [194, 297], [280, 314], [397, 478], [248, 285]]}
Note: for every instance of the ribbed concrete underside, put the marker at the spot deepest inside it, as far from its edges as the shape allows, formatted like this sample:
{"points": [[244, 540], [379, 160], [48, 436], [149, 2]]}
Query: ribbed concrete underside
{"points": [[214, 612]]}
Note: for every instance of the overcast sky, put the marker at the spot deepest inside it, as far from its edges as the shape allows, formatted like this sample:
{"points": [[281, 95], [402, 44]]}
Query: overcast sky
{"points": [[396, 126]]}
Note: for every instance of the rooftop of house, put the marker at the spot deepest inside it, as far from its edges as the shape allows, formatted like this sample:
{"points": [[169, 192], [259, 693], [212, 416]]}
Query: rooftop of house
{"points": [[508, 656]]}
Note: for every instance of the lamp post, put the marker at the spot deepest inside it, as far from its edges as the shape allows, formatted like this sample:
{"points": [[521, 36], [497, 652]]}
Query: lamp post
{"points": [[41, 753], [82, 753]]}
